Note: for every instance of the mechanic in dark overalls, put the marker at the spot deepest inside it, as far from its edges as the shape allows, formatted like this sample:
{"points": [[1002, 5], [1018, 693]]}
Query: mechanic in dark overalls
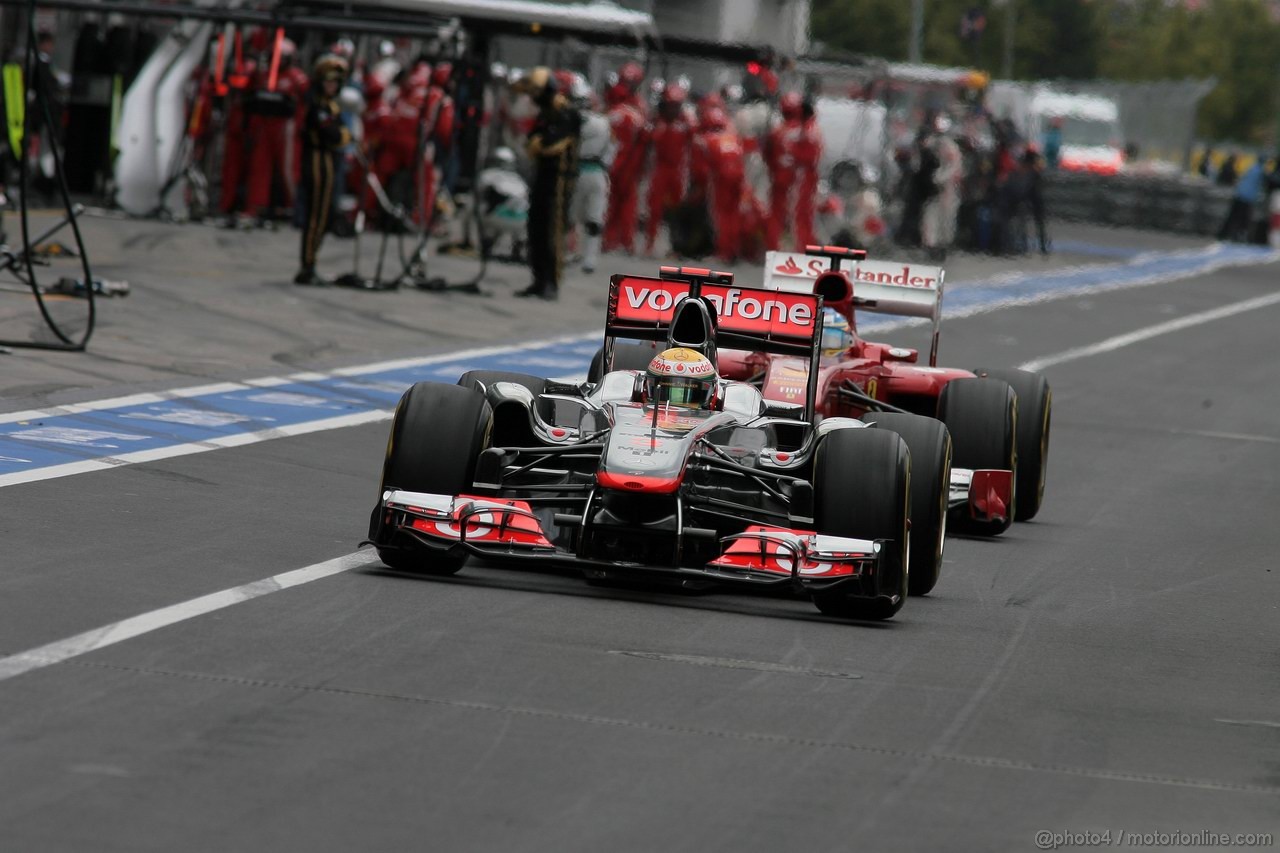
{"points": [[553, 150], [323, 137]]}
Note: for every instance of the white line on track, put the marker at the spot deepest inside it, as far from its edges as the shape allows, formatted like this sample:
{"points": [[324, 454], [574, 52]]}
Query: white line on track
{"points": [[127, 629], [1139, 335]]}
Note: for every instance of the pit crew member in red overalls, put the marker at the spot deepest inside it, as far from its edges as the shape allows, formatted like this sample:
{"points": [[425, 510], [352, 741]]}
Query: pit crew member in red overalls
{"points": [[435, 135], [235, 154], [396, 131], [719, 160], [272, 125], [627, 125], [670, 139], [779, 158], [807, 155]]}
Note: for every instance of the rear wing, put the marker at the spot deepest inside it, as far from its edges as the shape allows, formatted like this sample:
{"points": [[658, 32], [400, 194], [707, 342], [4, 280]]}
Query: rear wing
{"points": [[747, 318], [879, 287]]}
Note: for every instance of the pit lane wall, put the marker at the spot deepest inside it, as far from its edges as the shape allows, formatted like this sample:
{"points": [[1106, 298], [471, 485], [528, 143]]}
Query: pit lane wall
{"points": [[1180, 204]]}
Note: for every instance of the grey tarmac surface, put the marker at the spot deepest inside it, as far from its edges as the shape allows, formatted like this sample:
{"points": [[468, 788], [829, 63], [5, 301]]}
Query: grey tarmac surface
{"points": [[1109, 665]]}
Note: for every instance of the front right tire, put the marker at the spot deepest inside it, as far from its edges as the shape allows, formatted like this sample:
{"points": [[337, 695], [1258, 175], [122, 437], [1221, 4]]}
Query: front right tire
{"points": [[1035, 405], [930, 446], [982, 417]]}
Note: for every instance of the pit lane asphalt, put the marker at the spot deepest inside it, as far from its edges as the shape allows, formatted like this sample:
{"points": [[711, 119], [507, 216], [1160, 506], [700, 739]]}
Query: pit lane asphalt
{"points": [[1108, 665]]}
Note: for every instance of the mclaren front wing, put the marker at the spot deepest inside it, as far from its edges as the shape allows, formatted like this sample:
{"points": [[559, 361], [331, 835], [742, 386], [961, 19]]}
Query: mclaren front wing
{"points": [[506, 529]]}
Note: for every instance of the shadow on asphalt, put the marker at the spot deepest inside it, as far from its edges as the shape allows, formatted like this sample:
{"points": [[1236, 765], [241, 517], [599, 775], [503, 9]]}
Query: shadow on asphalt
{"points": [[636, 592]]}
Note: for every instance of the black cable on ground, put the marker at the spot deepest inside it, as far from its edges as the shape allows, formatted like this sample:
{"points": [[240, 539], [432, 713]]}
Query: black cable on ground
{"points": [[33, 84]]}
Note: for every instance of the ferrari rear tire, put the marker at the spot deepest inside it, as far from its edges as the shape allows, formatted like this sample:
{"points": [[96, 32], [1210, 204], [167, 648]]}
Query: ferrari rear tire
{"points": [[862, 490], [1035, 404], [436, 435], [625, 357], [982, 417], [479, 380], [930, 446]]}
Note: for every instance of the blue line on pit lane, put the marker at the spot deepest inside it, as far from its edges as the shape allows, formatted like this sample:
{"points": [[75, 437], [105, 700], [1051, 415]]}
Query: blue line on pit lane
{"points": [[107, 433]]}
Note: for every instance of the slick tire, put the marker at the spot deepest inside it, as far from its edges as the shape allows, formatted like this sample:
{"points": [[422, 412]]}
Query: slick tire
{"points": [[1035, 405], [982, 417], [862, 490], [479, 380], [930, 446], [437, 433], [625, 357]]}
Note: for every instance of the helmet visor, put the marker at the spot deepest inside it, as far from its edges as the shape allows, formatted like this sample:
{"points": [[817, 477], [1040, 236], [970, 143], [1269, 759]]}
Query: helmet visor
{"points": [[683, 391], [835, 339]]}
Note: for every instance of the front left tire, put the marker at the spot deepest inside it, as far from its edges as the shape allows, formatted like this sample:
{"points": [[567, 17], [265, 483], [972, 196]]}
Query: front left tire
{"points": [[862, 490], [436, 435]]}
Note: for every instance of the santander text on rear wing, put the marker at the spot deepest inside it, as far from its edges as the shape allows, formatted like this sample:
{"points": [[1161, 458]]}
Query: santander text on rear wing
{"points": [[880, 287]]}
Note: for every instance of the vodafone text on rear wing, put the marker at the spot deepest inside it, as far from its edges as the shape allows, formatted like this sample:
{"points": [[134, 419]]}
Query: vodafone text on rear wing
{"points": [[880, 287], [747, 318]]}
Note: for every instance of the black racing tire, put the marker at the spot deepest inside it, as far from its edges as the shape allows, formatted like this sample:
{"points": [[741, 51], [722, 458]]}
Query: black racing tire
{"points": [[930, 446], [982, 417], [625, 357], [862, 489], [479, 380], [1035, 406], [436, 435]]}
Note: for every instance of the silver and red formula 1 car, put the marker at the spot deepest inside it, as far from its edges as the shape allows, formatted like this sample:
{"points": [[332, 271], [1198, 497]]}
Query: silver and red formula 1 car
{"points": [[608, 477]]}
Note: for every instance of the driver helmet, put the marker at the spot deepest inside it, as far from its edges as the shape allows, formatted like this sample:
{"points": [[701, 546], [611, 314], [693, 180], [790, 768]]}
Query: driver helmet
{"points": [[681, 377], [836, 334]]}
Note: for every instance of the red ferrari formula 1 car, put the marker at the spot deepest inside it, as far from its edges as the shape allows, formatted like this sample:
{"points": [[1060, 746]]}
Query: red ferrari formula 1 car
{"points": [[997, 419], [670, 472]]}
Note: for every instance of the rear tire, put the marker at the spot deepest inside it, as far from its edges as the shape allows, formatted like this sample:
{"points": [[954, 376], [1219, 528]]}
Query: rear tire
{"points": [[862, 490], [930, 446], [436, 435], [625, 357], [1035, 404], [982, 416]]}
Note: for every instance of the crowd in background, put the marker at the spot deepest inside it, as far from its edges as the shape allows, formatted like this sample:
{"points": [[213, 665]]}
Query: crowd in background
{"points": [[1252, 179], [651, 166], [972, 184], [660, 167]]}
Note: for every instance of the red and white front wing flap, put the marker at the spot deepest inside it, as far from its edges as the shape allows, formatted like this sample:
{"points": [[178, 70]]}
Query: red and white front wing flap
{"points": [[795, 553], [471, 519], [988, 492]]}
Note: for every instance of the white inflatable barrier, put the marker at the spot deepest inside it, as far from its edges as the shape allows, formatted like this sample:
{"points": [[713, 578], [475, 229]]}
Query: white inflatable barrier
{"points": [[137, 173], [153, 122], [171, 121]]}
